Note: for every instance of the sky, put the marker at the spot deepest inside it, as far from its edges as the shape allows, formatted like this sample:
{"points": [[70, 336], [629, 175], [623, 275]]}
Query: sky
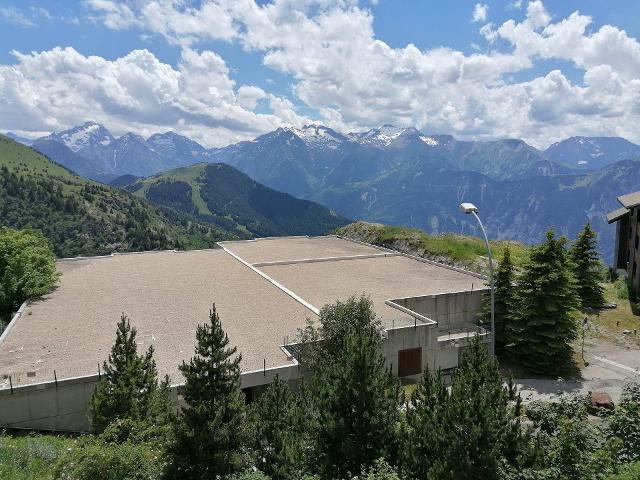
{"points": [[222, 71]]}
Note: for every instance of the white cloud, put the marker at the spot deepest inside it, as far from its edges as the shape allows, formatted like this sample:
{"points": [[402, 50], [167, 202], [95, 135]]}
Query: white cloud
{"points": [[115, 14], [480, 13], [16, 17], [60, 88], [339, 68]]}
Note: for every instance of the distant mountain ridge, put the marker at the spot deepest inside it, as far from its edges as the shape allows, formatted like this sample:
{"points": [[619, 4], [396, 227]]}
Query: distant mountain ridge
{"points": [[592, 153], [393, 175], [93, 152]]}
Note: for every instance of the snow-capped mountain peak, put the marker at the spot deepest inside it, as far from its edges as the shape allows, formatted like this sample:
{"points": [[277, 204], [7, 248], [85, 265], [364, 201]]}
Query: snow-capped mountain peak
{"points": [[90, 134]]}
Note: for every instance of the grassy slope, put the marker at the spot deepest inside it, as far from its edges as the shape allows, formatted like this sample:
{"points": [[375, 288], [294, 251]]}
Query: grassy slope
{"points": [[30, 457], [81, 217], [462, 250]]}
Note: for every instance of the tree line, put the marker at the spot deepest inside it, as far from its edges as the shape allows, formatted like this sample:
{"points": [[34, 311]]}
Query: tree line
{"points": [[535, 321], [349, 419]]}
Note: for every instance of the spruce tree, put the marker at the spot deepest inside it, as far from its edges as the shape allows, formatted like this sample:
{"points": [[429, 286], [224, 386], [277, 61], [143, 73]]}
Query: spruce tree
{"points": [[356, 397], [210, 431], [279, 431], [129, 383], [467, 432], [585, 264], [505, 302], [544, 326]]}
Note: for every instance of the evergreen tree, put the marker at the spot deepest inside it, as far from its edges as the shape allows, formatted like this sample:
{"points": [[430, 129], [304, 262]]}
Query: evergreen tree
{"points": [[279, 431], [544, 327], [210, 430], [468, 432], [505, 301], [585, 265], [356, 397], [129, 383]]}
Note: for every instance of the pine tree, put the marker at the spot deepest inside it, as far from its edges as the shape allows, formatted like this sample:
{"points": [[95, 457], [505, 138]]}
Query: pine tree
{"points": [[210, 430], [129, 383], [505, 302], [356, 397], [544, 327], [468, 432], [585, 264], [279, 431]]}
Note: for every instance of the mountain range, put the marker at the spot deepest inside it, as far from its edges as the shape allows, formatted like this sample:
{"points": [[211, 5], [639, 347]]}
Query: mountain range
{"points": [[83, 217], [393, 175]]}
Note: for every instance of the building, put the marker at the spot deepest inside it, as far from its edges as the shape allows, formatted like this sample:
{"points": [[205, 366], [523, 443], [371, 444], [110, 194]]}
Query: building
{"points": [[626, 255], [264, 290]]}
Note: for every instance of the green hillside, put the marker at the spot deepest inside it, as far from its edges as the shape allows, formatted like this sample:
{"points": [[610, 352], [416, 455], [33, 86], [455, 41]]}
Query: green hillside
{"points": [[461, 250], [224, 197], [81, 217]]}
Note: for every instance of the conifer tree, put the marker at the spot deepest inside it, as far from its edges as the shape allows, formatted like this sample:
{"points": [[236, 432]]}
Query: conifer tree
{"points": [[505, 302], [544, 327], [356, 397], [210, 431], [467, 432], [279, 431], [129, 382], [585, 264]]}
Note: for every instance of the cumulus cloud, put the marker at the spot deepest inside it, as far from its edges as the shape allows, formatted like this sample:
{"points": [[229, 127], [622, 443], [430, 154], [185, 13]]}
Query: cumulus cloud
{"points": [[480, 13], [55, 89], [339, 69]]}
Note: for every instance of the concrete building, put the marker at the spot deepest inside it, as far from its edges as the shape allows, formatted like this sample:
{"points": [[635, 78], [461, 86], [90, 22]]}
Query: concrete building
{"points": [[264, 290], [627, 251]]}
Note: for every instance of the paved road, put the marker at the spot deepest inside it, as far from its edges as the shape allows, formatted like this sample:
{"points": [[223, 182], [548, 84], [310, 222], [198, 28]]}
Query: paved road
{"points": [[610, 368]]}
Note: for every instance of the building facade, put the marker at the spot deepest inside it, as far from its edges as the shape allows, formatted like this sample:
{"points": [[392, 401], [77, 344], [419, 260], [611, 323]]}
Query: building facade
{"points": [[265, 290], [626, 256]]}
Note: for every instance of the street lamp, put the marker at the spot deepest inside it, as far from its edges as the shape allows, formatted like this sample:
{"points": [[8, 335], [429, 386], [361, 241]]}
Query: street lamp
{"points": [[470, 208]]}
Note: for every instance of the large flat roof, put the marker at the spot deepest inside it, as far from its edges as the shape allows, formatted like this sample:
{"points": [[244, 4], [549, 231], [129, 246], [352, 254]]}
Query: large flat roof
{"points": [[165, 295], [264, 250], [265, 290]]}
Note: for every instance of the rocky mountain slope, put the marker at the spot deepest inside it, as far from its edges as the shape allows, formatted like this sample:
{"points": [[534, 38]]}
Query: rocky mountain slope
{"points": [[592, 153]]}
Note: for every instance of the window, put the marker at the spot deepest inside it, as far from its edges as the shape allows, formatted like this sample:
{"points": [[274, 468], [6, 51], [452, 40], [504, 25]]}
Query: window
{"points": [[410, 362]]}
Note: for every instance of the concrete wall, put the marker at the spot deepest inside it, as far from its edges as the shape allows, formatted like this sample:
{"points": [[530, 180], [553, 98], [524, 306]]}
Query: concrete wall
{"points": [[64, 406], [450, 310], [47, 407], [422, 335]]}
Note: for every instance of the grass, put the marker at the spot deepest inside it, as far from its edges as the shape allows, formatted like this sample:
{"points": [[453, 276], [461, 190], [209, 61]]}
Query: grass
{"points": [[461, 249], [611, 322], [19, 158], [30, 457]]}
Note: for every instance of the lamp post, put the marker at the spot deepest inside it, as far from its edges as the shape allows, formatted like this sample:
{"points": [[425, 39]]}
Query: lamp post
{"points": [[471, 209]]}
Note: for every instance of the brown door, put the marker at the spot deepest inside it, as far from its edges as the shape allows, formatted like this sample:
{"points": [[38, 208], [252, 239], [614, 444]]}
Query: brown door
{"points": [[410, 362]]}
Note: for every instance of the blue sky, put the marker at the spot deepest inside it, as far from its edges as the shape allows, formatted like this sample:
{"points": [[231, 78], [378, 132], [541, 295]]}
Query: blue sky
{"points": [[227, 70]]}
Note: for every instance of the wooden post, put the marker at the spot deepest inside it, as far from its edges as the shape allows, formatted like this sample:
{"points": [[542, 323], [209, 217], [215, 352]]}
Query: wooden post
{"points": [[10, 384], [55, 378]]}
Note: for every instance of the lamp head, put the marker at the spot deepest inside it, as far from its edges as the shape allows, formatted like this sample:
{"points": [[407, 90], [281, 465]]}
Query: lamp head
{"points": [[468, 208]]}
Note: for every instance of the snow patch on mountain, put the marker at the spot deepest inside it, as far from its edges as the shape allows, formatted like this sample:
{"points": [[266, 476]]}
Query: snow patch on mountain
{"points": [[432, 142]]}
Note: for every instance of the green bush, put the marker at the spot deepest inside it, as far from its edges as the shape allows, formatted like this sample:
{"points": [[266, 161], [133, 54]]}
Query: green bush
{"points": [[93, 459], [622, 288], [629, 472]]}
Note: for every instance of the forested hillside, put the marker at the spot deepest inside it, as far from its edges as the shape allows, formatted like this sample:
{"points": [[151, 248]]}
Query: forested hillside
{"points": [[81, 217], [221, 195]]}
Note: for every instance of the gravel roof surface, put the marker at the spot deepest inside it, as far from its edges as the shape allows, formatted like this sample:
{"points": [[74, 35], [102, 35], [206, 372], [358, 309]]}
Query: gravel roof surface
{"points": [[297, 248], [166, 295]]}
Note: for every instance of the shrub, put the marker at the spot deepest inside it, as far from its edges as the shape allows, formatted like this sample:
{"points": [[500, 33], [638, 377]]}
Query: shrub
{"points": [[93, 459]]}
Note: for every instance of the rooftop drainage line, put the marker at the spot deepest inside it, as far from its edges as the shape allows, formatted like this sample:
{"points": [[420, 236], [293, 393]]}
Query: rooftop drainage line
{"points": [[296, 297]]}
